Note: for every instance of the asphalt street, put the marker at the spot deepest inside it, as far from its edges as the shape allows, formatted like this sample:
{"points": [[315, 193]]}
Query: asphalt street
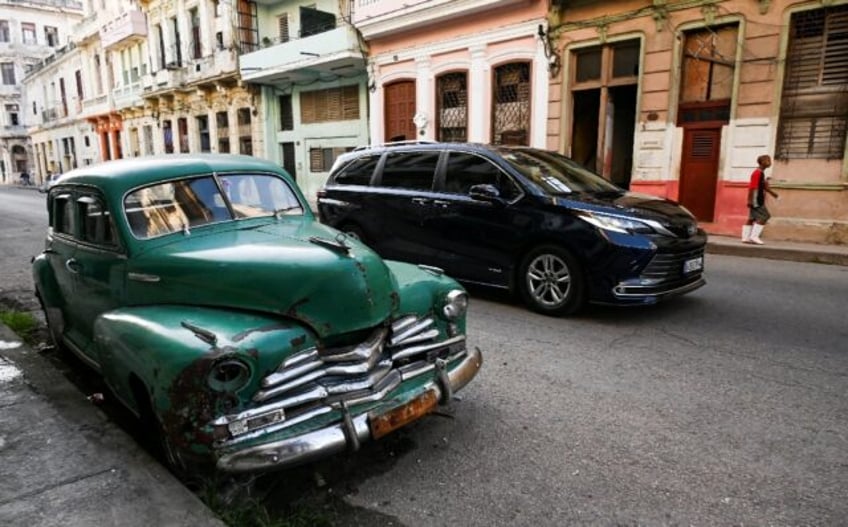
{"points": [[727, 406]]}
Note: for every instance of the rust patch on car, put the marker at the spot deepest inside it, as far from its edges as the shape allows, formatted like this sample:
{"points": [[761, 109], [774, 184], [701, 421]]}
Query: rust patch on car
{"points": [[298, 341], [193, 404]]}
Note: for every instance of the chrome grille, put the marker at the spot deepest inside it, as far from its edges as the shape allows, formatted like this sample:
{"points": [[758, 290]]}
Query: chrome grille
{"points": [[354, 374], [666, 266]]}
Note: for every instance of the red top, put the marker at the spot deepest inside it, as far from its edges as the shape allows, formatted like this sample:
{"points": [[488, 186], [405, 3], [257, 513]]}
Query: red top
{"points": [[755, 178]]}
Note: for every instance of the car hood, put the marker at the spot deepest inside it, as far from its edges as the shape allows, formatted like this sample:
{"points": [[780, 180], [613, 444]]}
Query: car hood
{"points": [[273, 267], [668, 213]]}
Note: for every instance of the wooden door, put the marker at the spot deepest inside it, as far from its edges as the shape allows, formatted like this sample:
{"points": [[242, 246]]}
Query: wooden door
{"points": [[399, 111], [699, 170]]}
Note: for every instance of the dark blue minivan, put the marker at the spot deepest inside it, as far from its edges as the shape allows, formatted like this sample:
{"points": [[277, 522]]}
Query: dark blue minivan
{"points": [[520, 218]]}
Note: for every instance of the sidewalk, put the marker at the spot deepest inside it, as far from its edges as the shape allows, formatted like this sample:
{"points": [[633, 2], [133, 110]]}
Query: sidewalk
{"points": [[65, 464], [779, 250]]}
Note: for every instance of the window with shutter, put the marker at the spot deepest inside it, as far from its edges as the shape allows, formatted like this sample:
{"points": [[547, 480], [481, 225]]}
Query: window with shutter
{"points": [[286, 114], [283, 27], [814, 105], [332, 104]]}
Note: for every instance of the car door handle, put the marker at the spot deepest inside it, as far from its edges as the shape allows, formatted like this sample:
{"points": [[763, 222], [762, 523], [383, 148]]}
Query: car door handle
{"points": [[72, 266], [420, 201], [441, 203]]}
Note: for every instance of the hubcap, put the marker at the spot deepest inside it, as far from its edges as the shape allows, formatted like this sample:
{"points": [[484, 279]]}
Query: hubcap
{"points": [[548, 280]]}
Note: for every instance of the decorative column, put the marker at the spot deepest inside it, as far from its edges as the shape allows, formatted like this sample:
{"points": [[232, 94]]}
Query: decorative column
{"points": [[477, 99], [424, 112], [539, 100]]}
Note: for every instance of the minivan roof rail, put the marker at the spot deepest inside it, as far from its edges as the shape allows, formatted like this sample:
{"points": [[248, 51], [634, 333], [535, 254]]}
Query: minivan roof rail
{"points": [[396, 143]]}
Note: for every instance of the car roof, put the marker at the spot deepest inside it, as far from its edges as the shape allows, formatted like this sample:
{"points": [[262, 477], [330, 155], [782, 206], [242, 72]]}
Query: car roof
{"points": [[125, 174]]}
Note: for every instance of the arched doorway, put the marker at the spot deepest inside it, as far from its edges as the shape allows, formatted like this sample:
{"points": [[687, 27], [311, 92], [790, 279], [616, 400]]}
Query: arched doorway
{"points": [[399, 109]]}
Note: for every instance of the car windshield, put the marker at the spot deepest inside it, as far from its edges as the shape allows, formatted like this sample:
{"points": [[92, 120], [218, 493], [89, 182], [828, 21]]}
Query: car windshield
{"points": [[182, 204], [555, 173]]}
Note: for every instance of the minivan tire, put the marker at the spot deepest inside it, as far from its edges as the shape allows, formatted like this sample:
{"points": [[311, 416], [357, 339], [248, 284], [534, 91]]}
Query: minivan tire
{"points": [[551, 281]]}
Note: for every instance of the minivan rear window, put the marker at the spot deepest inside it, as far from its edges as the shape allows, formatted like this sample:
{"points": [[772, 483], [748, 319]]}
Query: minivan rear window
{"points": [[358, 172], [410, 170]]}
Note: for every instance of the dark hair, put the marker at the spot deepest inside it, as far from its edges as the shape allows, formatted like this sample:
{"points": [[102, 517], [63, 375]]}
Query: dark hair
{"points": [[763, 158]]}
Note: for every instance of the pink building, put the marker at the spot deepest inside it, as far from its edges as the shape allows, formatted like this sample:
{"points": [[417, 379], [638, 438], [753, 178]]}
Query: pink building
{"points": [[678, 99], [457, 70]]}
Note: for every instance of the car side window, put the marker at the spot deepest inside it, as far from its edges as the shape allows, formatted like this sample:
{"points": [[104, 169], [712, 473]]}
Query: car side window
{"points": [[358, 172], [95, 222], [63, 214], [466, 170], [410, 170]]}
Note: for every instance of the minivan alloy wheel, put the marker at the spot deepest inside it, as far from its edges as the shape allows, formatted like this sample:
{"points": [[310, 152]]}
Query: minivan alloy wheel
{"points": [[548, 280], [551, 281]]}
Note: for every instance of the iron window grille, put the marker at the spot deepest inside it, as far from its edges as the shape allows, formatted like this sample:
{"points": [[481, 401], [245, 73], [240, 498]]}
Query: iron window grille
{"points": [[814, 105]]}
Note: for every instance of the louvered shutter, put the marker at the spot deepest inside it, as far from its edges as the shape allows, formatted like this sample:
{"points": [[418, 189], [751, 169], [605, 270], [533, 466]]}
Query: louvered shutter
{"points": [[814, 105]]}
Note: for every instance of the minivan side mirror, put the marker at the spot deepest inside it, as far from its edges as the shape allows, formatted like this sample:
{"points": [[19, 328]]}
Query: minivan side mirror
{"points": [[486, 192]]}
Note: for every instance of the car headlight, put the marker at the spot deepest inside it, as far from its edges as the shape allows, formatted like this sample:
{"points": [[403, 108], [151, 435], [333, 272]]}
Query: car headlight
{"points": [[615, 223], [228, 375], [456, 304]]}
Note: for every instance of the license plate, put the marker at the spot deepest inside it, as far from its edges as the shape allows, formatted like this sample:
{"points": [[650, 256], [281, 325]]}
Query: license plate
{"points": [[395, 418], [695, 264]]}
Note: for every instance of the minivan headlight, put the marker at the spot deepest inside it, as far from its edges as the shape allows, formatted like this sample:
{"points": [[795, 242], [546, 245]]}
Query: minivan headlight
{"points": [[456, 305], [615, 223]]}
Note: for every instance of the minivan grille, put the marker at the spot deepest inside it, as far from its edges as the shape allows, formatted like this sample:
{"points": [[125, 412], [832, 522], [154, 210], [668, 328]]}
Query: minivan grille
{"points": [[665, 266]]}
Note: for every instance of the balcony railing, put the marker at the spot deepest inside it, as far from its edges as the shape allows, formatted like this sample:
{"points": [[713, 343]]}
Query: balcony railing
{"points": [[317, 51], [130, 26], [128, 95], [86, 28]]}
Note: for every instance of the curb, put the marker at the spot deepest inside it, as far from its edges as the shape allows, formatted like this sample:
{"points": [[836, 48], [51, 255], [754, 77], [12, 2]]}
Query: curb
{"points": [[776, 251]]}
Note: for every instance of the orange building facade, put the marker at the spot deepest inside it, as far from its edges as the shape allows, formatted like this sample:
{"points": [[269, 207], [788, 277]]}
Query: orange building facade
{"points": [[678, 99]]}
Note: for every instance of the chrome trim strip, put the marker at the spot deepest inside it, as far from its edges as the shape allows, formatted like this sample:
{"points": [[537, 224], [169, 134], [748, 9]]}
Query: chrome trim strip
{"points": [[321, 410], [389, 383], [669, 292], [282, 376], [427, 335], [143, 277], [364, 351], [408, 352], [399, 338], [309, 377], [299, 357], [383, 369], [403, 323]]}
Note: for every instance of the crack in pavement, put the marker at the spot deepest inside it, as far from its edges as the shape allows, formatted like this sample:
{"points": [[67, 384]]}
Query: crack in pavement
{"points": [[69, 481]]}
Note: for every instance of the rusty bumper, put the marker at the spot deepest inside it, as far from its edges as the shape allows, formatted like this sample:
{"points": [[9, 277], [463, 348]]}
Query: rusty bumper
{"points": [[351, 431]]}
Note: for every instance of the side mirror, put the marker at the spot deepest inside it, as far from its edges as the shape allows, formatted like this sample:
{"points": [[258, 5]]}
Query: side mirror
{"points": [[488, 193]]}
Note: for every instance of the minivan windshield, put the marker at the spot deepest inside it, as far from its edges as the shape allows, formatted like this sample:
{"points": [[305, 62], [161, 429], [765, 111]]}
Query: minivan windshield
{"points": [[555, 173]]}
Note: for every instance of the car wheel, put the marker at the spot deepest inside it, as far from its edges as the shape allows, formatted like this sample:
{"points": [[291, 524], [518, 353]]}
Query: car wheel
{"points": [[155, 433], [53, 325], [551, 281]]}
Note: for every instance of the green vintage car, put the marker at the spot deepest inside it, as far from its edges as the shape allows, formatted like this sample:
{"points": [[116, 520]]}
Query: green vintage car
{"points": [[247, 335]]}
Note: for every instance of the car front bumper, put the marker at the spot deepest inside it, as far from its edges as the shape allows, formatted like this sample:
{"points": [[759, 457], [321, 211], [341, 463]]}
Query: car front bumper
{"points": [[352, 429]]}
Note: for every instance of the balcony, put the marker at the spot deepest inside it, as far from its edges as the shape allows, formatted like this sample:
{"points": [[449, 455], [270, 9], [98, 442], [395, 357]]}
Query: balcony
{"points": [[380, 18], [98, 105], [86, 29], [126, 96], [222, 63], [171, 78], [324, 55], [130, 27]]}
